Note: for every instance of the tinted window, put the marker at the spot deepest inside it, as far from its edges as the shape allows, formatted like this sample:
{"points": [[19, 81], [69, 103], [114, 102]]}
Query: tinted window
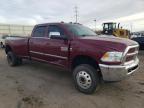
{"points": [[106, 26], [80, 30], [54, 28], [39, 31], [3, 37]]}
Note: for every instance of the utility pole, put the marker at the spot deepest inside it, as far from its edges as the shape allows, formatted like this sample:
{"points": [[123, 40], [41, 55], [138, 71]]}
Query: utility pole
{"points": [[131, 25], [9, 27], [23, 28], [95, 24], [76, 14]]}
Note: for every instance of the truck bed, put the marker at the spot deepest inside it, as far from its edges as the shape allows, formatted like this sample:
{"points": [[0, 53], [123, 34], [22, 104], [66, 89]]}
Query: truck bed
{"points": [[19, 45]]}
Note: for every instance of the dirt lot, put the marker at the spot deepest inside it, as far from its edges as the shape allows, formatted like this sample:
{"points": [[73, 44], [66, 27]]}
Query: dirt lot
{"points": [[36, 85]]}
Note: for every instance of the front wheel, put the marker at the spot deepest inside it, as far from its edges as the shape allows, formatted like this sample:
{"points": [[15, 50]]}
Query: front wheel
{"points": [[1, 45], [86, 78]]}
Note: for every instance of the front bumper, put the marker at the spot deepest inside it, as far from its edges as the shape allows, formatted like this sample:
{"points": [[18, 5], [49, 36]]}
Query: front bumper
{"points": [[118, 72]]}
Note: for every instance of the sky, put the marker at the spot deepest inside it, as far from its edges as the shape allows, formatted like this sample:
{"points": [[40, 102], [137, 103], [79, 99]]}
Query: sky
{"points": [[130, 13]]}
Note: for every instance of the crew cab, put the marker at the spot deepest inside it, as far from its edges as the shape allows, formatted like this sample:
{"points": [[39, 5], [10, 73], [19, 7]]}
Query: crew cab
{"points": [[79, 50]]}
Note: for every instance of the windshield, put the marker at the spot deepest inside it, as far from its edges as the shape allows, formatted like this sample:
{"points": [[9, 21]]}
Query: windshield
{"points": [[114, 25], [109, 26], [80, 30]]}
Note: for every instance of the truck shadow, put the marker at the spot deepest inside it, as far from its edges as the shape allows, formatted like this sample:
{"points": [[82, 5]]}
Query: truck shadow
{"points": [[61, 79], [64, 78]]}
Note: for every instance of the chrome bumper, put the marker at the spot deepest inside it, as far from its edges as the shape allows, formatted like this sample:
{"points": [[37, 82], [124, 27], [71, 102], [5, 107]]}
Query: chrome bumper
{"points": [[117, 73]]}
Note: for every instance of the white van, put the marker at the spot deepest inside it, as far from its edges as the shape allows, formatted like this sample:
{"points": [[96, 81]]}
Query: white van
{"points": [[2, 41]]}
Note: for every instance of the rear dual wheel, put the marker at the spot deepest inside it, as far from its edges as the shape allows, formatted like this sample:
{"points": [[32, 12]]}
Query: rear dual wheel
{"points": [[12, 59], [1, 45]]}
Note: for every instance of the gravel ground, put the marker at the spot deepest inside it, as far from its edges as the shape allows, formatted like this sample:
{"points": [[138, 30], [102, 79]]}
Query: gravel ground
{"points": [[37, 85]]}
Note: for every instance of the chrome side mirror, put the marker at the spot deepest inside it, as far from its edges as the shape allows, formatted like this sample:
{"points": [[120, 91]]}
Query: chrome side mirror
{"points": [[55, 34]]}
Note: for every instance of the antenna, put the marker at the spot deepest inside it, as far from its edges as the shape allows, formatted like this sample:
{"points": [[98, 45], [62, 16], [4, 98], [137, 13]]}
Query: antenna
{"points": [[95, 24], [76, 13]]}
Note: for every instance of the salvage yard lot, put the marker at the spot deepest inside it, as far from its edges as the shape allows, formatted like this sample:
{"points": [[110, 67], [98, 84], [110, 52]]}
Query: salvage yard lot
{"points": [[37, 85]]}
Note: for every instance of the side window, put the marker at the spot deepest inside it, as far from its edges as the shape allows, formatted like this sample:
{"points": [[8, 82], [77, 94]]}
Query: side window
{"points": [[39, 31], [53, 29], [106, 26]]}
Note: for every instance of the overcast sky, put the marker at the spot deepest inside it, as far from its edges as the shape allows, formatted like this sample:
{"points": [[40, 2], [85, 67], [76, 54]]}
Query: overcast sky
{"points": [[127, 12]]}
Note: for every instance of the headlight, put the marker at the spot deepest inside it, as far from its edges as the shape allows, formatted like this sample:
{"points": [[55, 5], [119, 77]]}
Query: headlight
{"points": [[112, 57]]}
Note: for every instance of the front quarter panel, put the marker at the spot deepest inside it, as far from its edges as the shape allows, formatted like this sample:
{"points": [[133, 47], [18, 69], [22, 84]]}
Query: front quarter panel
{"points": [[81, 48]]}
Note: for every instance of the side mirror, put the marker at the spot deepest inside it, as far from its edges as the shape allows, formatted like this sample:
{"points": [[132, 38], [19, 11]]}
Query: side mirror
{"points": [[56, 35]]}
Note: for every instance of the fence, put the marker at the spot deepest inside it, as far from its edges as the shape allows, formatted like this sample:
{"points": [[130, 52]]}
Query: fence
{"points": [[16, 30]]}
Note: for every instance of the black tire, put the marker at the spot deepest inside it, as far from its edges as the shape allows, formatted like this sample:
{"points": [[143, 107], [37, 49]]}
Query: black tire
{"points": [[12, 59], [20, 61], [1, 45], [90, 72]]}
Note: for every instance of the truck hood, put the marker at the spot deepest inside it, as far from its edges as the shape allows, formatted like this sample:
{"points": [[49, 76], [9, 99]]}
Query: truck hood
{"points": [[110, 42]]}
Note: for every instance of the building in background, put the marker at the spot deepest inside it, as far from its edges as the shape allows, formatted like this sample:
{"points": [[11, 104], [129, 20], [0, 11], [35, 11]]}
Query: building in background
{"points": [[15, 30]]}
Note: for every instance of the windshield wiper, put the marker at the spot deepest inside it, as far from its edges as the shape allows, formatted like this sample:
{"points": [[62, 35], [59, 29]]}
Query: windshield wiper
{"points": [[87, 35], [83, 35]]}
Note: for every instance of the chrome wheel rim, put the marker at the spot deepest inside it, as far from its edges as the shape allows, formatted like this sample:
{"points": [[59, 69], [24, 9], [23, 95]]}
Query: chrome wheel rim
{"points": [[84, 79]]}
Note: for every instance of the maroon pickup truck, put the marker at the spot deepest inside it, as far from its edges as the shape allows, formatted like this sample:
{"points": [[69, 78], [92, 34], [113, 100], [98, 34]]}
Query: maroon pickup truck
{"points": [[78, 49]]}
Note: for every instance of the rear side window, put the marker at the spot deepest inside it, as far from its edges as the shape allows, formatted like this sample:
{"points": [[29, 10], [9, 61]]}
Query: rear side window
{"points": [[39, 31]]}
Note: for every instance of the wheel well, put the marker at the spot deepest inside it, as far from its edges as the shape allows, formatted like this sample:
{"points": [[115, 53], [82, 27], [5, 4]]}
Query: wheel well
{"points": [[7, 49], [85, 60]]}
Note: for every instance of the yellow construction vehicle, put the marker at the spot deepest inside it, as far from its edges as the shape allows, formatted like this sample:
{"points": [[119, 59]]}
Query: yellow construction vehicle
{"points": [[111, 28]]}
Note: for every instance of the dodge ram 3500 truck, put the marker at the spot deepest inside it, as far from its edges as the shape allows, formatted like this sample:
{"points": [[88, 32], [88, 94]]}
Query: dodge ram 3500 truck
{"points": [[78, 49]]}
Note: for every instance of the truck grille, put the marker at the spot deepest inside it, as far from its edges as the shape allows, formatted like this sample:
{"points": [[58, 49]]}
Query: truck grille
{"points": [[131, 53]]}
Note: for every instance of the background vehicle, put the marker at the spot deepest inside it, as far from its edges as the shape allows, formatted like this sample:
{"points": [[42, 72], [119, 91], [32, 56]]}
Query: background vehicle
{"points": [[139, 40], [111, 28], [2, 41], [78, 49], [136, 34]]}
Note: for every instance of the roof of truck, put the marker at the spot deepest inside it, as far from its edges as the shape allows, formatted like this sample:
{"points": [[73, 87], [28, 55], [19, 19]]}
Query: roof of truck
{"points": [[57, 23]]}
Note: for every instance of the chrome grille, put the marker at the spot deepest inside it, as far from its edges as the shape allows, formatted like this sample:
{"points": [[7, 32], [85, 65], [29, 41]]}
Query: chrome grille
{"points": [[130, 53]]}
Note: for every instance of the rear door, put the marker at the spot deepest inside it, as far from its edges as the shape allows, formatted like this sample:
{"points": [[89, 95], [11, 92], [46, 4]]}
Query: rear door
{"points": [[37, 43]]}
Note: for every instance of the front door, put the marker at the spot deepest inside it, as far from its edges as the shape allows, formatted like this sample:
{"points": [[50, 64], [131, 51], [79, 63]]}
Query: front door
{"points": [[56, 49]]}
